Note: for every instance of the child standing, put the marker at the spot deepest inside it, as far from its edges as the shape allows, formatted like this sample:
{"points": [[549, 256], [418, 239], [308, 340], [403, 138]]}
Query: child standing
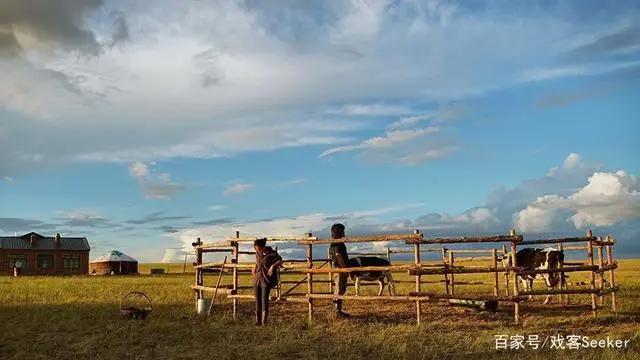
{"points": [[265, 277]]}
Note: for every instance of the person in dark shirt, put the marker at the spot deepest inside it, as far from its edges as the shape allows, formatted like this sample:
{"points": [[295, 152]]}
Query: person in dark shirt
{"points": [[339, 259], [265, 277]]}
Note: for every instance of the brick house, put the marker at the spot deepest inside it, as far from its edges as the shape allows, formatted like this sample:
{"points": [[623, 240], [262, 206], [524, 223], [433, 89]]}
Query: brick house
{"points": [[34, 254]]}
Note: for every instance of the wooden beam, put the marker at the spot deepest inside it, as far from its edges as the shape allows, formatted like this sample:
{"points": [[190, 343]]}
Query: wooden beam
{"points": [[433, 295], [369, 238], [591, 268], [251, 239], [467, 239], [612, 279], [359, 269], [460, 270], [558, 291], [369, 297], [558, 240], [611, 290]]}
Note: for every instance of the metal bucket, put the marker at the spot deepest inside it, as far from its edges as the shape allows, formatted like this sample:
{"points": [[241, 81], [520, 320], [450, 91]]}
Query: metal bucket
{"points": [[203, 306]]}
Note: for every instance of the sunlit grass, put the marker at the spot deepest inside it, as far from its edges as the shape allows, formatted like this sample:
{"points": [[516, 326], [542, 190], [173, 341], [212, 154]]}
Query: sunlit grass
{"points": [[77, 317]]}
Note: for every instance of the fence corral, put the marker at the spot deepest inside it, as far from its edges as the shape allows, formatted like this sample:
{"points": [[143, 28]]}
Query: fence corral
{"points": [[451, 268]]}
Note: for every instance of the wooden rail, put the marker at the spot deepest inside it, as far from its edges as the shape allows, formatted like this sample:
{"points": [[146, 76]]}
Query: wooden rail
{"points": [[450, 268], [467, 239], [359, 239]]}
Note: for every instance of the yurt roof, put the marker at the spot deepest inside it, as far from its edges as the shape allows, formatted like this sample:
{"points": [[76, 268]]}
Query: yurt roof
{"points": [[114, 256]]}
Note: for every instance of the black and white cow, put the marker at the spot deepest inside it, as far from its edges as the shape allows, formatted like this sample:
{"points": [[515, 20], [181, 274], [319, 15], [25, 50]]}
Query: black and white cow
{"points": [[537, 259], [380, 276]]}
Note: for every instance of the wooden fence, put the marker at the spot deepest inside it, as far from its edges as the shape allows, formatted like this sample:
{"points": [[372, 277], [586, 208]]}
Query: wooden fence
{"points": [[499, 261]]}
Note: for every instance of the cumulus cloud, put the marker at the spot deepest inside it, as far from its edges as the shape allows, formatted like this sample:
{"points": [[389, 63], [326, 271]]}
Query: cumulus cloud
{"points": [[318, 223], [607, 199], [574, 195], [237, 189], [172, 255]]}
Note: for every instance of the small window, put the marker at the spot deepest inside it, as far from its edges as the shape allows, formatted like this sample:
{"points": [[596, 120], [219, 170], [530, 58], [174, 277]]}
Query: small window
{"points": [[19, 261], [45, 262], [71, 262]]}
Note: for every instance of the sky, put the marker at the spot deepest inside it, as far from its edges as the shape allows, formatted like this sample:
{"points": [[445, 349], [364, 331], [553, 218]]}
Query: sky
{"points": [[143, 126]]}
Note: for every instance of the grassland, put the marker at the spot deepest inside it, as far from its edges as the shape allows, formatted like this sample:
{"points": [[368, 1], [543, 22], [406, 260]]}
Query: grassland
{"points": [[78, 318]]}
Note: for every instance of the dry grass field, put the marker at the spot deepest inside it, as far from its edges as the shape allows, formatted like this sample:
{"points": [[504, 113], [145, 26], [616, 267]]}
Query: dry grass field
{"points": [[78, 318]]}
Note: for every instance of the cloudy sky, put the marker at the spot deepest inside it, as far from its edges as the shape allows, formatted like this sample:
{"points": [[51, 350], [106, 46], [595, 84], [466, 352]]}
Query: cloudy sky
{"points": [[143, 126]]}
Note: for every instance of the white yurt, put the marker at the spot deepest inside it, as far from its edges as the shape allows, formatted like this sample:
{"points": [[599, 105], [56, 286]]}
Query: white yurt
{"points": [[113, 262]]}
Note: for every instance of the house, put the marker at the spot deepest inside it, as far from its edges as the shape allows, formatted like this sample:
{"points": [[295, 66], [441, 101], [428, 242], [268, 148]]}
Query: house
{"points": [[35, 254], [113, 262]]}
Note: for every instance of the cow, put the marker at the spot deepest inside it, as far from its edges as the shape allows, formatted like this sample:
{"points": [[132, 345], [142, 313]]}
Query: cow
{"points": [[538, 259], [380, 276]]}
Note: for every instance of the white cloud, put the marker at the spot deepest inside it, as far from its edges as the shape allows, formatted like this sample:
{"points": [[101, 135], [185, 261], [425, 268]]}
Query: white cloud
{"points": [[8, 179], [356, 221], [573, 160], [192, 77], [370, 110], [139, 170], [173, 255], [607, 199], [411, 120], [406, 146], [216, 207], [390, 139], [237, 188], [155, 186]]}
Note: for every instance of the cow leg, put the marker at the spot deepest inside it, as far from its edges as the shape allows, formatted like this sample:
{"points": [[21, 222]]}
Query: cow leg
{"points": [[547, 281], [357, 282], [530, 287], [380, 286], [526, 286], [390, 283]]}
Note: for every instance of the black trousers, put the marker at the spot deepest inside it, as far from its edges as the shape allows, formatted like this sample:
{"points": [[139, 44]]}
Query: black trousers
{"points": [[261, 292]]}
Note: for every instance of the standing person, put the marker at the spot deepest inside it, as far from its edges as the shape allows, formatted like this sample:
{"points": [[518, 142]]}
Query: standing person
{"points": [[339, 259], [265, 277]]}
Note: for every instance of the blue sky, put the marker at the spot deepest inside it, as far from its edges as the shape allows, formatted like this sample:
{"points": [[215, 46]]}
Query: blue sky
{"points": [[144, 127]]}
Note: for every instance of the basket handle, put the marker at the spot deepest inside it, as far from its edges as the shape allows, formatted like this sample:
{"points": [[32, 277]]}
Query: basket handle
{"points": [[138, 293]]}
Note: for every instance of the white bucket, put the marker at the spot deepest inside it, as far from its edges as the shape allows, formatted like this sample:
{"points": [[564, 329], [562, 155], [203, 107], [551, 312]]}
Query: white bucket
{"points": [[203, 306]]}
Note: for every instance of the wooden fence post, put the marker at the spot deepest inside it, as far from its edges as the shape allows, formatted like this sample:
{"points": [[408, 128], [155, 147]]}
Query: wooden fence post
{"points": [[594, 305], [563, 280], [600, 273], [506, 273], [416, 255], [199, 278], [446, 276], [234, 260], [451, 276], [612, 281], [496, 277], [310, 281], [331, 280], [514, 263]]}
